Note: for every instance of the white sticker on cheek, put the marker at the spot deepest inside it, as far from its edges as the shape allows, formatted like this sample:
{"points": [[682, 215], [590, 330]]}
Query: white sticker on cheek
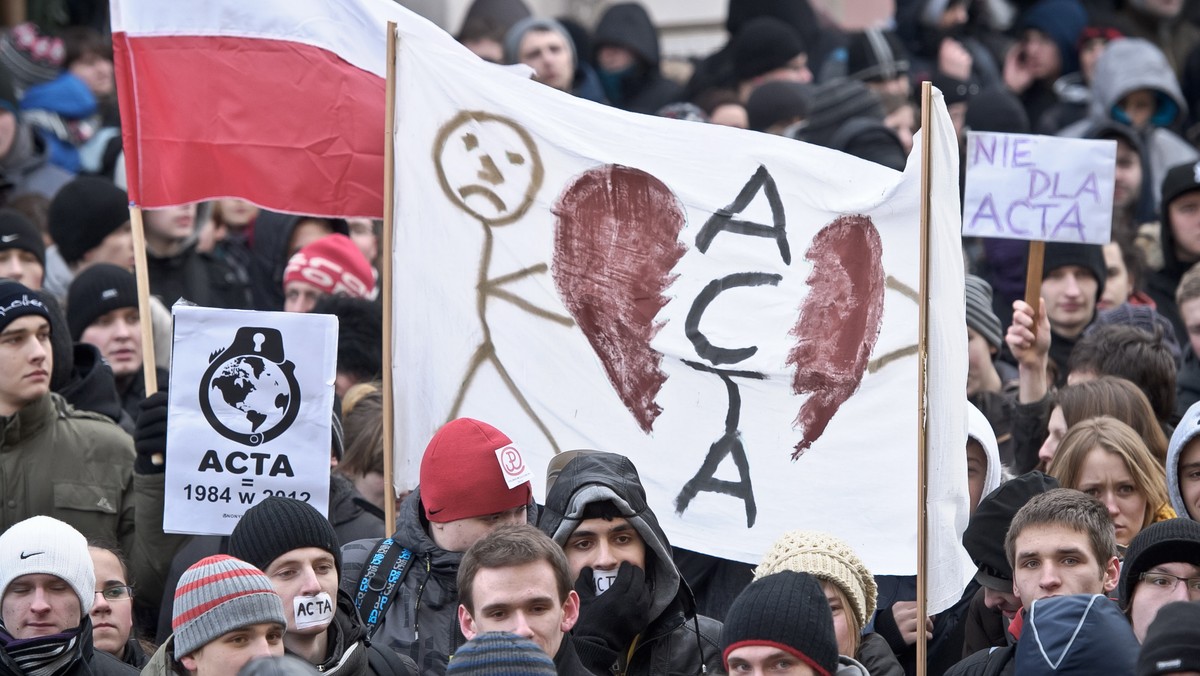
{"points": [[312, 611]]}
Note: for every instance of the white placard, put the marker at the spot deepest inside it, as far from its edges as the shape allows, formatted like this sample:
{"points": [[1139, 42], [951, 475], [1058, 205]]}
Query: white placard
{"points": [[1049, 188], [250, 403]]}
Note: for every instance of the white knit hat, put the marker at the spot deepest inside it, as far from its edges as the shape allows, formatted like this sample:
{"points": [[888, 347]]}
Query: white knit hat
{"points": [[45, 545], [827, 558]]}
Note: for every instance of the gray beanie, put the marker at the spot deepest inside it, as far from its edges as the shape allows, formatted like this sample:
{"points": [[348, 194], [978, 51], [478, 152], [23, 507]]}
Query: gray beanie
{"points": [[980, 316], [512, 41], [46, 546], [218, 595]]}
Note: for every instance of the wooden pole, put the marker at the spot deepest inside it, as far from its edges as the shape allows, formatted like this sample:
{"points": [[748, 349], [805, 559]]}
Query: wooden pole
{"points": [[922, 376], [385, 278], [142, 274], [1033, 279]]}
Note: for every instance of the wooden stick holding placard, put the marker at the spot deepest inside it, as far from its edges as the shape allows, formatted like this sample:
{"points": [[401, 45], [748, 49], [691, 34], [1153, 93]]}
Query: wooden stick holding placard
{"points": [[385, 281], [923, 366], [1033, 279], [142, 275]]}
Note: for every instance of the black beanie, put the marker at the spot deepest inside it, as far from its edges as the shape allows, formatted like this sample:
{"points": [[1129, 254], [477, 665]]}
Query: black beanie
{"points": [[17, 300], [985, 533], [1171, 541], [95, 292], [276, 526], [16, 232], [762, 45], [1087, 256], [876, 55], [774, 102], [786, 610], [1180, 179], [1172, 642], [996, 109], [83, 213]]}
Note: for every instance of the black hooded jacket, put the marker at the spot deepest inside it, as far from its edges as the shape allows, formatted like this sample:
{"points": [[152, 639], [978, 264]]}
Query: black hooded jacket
{"points": [[676, 640], [272, 234], [643, 89]]}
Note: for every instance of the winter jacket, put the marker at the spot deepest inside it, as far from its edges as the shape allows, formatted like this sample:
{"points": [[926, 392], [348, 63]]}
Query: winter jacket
{"points": [[1188, 429], [1080, 634], [877, 657], [134, 655], [64, 113], [89, 661], [641, 89], [91, 386], [200, 278], [27, 167], [1128, 65], [676, 640], [162, 662], [272, 233], [1187, 382], [353, 516], [421, 620], [566, 660], [350, 655]]}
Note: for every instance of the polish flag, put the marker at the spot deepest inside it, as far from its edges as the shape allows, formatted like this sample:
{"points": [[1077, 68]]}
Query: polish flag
{"points": [[280, 102]]}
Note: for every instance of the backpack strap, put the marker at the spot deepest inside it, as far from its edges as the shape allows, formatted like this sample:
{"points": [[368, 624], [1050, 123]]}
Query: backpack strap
{"points": [[383, 572]]}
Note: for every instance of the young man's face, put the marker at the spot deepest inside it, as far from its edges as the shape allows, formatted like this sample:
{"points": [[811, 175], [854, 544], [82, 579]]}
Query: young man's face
{"points": [[1149, 595], [307, 571], [39, 605], [300, 296], [1005, 601], [1185, 225], [604, 545], [1057, 560], [1189, 311], [230, 651], [25, 362], [118, 336], [521, 600], [1189, 477], [459, 535], [1139, 106], [550, 57], [764, 660], [22, 266], [1128, 185], [1070, 293], [1117, 284]]}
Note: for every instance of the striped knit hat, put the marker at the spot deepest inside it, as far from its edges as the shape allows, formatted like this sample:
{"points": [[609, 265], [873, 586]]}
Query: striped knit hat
{"points": [[218, 595], [498, 653]]}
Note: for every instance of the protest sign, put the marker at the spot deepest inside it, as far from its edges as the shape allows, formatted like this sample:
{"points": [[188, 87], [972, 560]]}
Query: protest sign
{"points": [[250, 404], [1046, 188], [735, 312]]}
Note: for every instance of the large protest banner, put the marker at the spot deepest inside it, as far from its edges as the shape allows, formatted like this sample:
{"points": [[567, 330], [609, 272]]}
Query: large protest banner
{"points": [[250, 404], [736, 312], [280, 102]]}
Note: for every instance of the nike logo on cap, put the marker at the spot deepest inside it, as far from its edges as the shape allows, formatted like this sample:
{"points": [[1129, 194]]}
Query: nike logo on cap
{"points": [[26, 556], [8, 238]]}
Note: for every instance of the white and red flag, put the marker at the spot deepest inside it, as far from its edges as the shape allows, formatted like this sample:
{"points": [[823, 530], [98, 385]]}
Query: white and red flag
{"points": [[280, 102]]}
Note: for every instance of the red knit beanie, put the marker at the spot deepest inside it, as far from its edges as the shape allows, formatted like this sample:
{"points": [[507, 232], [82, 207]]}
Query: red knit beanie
{"points": [[334, 265], [463, 472]]}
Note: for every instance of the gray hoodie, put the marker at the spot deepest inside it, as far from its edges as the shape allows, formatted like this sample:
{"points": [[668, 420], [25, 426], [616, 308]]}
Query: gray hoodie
{"points": [[1127, 65], [1187, 429]]}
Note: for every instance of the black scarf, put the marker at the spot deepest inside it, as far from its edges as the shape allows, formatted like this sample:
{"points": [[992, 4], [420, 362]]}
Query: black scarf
{"points": [[44, 655]]}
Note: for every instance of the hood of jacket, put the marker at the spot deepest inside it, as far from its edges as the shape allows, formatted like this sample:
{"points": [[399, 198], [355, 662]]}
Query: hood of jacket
{"points": [[596, 477], [1080, 634], [272, 232], [979, 429], [628, 25], [91, 386], [1187, 429], [65, 95], [1128, 65]]}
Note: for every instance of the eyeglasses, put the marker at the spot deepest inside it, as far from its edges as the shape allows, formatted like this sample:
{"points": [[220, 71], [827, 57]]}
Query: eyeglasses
{"points": [[121, 592], [1167, 582]]}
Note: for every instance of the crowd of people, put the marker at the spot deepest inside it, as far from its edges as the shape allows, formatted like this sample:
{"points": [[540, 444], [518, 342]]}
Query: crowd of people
{"points": [[1083, 453]]}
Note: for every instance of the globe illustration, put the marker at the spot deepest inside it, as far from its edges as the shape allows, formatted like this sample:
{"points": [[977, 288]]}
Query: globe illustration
{"points": [[249, 395]]}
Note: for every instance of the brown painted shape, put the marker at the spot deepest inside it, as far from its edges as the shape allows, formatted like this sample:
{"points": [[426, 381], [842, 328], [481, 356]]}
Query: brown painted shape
{"points": [[839, 321], [616, 241]]}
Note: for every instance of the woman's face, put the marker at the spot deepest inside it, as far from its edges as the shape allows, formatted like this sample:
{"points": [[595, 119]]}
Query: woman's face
{"points": [[112, 621], [1105, 476], [841, 618]]}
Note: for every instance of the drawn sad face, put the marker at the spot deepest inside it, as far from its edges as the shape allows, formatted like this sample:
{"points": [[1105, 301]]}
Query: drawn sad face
{"points": [[488, 166]]}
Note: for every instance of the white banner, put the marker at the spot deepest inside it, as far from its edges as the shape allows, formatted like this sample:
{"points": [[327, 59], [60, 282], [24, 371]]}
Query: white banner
{"points": [[1049, 188], [251, 398], [735, 312]]}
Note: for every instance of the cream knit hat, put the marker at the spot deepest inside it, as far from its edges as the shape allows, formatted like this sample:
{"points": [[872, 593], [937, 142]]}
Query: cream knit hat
{"points": [[825, 558]]}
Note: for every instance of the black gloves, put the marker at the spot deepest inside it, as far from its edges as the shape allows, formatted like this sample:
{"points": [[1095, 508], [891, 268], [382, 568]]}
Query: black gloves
{"points": [[618, 615], [150, 434]]}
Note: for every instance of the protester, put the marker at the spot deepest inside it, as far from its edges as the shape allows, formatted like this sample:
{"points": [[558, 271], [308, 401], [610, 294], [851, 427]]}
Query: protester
{"points": [[485, 24], [1187, 379], [1183, 466], [1105, 459], [47, 588], [362, 421], [360, 340], [1132, 353], [627, 59], [1049, 31], [330, 266], [1162, 565], [1172, 644], [22, 251], [765, 50], [112, 608], [987, 389], [276, 238], [89, 222], [226, 614], [597, 512], [1107, 395], [178, 269], [25, 165], [298, 551], [1180, 237], [461, 497], [545, 46], [516, 579]]}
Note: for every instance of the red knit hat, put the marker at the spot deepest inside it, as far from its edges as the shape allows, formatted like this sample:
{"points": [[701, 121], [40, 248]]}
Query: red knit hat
{"points": [[467, 469], [334, 265]]}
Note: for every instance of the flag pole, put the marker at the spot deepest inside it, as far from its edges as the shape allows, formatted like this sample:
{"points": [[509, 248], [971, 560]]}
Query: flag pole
{"points": [[142, 275], [922, 375], [385, 276]]}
